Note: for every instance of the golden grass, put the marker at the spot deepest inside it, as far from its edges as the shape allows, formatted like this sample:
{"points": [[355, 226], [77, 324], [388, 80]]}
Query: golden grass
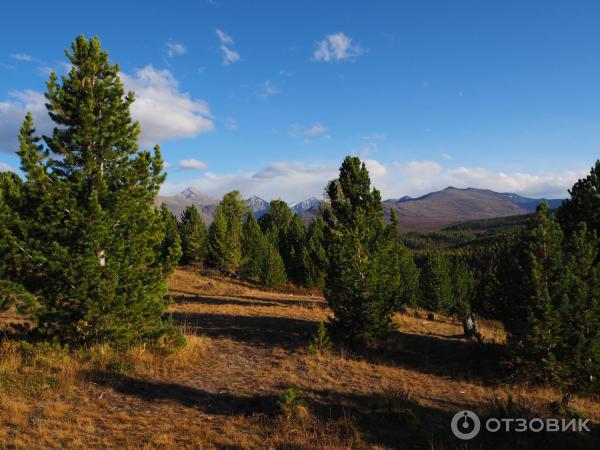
{"points": [[246, 346]]}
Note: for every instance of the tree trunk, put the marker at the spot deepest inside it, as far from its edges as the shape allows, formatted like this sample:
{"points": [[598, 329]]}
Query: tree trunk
{"points": [[471, 327]]}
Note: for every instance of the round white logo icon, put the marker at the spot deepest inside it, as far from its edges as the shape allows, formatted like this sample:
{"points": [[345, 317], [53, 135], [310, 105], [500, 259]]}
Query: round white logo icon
{"points": [[465, 425]]}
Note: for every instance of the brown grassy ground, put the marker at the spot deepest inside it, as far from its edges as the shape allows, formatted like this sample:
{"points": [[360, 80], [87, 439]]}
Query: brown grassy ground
{"points": [[247, 347]]}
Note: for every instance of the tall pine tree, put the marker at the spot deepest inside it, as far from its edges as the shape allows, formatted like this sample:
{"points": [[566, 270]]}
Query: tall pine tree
{"points": [[194, 236], [90, 240], [225, 233], [314, 255], [435, 283], [254, 248], [360, 283]]}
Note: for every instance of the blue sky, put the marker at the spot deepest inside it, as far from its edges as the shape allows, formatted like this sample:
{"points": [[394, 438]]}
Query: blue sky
{"points": [[268, 97]]}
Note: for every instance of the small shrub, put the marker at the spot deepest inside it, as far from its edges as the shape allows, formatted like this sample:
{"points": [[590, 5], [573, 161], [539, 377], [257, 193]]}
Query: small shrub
{"points": [[320, 342], [290, 400]]}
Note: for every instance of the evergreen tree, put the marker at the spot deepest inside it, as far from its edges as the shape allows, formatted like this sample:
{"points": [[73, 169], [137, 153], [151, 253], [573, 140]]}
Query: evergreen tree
{"points": [[285, 231], [170, 249], [225, 233], [194, 236], [407, 284], [254, 248], [464, 288], [584, 204], [11, 249], [293, 250], [533, 290], [360, 283], [435, 283], [276, 221], [89, 238], [273, 270], [578, 349], [314, 255]]}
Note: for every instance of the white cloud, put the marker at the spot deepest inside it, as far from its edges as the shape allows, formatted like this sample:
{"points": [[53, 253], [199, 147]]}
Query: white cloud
{"points": [[6, 168], [230, 124], [268, 89], [421, 177], [294, 181], [376, 169], [174, 49], [224, 37], [290, 181], [316, 130], [192, 164], [229, 55], [21, 57], [447, 156], [12, 113], [164, 112], [336, 47]]}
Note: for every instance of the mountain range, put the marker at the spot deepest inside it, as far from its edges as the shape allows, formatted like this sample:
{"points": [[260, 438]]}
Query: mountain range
{"points": [[432, 211]]}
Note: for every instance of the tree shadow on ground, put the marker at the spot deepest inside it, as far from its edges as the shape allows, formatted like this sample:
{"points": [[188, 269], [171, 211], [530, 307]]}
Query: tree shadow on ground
{"points": [[396, 420], [392, 419], [208, 402], [218, 301], [457, 359], [444, 356], [262, 331], [246, 300]]}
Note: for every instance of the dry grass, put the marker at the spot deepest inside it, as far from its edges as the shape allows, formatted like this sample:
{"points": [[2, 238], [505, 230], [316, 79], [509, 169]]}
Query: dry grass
{"points": [[247, 346]]}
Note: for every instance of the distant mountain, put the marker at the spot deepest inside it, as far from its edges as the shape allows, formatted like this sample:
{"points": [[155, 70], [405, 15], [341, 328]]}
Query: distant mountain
{"points": [[189, 196], [257, 205], [452, 205], [303, 206], [531, 203], [433, 211]]}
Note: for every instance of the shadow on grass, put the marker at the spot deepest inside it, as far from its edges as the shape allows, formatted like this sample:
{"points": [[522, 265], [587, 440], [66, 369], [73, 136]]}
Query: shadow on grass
{"points": [[390, 419], [440, 356], [262, 331], [208, 402], [443, 356], [245, 300], [207, 300]]}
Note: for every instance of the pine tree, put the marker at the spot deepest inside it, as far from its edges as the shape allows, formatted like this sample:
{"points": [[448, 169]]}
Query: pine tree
{"points": [[90, 237], [435, 283], [359, 286], [463, 289], [314, 255], [293, 247], [273, 270], [170, 249], [225, 233], [407, 284], [534, 288], [11, 249], [194, 236], [285, 231], [254, 248], [577, 351], [584, 204], [276, 221]]}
